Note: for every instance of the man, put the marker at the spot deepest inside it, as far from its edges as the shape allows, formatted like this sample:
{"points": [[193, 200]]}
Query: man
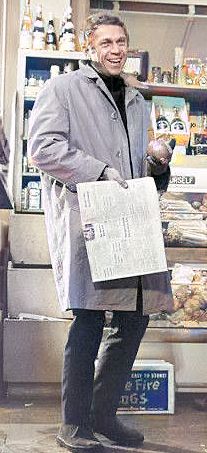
{"points": [[89, 126]]}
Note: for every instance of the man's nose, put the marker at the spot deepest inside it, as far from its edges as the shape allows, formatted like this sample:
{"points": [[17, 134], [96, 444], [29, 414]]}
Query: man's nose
{"points": [[115, 48]]}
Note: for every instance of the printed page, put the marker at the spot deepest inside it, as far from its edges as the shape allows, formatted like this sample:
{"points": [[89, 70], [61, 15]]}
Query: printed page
{"points": [[122, 228]]}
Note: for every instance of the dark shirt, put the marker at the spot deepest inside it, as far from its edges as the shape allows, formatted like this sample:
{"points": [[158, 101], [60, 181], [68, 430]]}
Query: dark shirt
{"points": [[116, 86]]}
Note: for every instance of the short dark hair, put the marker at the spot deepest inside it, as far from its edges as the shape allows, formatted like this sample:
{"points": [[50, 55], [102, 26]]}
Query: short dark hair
{"points": [[94, 21]]}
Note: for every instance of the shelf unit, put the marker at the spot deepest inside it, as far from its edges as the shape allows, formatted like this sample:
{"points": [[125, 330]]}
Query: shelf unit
{"points": [[28, 62]]}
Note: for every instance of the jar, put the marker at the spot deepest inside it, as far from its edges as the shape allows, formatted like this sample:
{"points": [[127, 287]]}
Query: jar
{"points": [[180, 75], [166, 77], [32, 81], [156, 74], [54, 70]]}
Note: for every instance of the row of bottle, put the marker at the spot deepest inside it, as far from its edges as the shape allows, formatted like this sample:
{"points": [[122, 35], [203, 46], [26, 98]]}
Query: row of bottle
{"points": [[31, 199], [34, 82], [37, 36]]}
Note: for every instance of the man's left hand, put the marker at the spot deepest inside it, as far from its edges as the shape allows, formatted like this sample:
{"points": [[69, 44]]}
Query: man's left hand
{"points": [[159, 154]]}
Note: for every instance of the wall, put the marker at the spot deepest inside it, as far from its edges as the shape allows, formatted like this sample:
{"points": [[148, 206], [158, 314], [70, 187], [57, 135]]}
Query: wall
{"points": [[161, 34]]}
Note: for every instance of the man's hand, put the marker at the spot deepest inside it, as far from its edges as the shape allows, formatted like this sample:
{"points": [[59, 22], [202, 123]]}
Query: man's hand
{"points": [[111, 174], [159, 154]]}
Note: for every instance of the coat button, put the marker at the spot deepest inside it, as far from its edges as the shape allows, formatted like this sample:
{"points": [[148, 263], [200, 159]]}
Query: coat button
{"points": [[118, 154], [114, 115]]}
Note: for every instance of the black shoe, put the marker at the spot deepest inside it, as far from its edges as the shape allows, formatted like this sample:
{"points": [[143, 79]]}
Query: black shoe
{"points": [[77, 438], [114, 430]]}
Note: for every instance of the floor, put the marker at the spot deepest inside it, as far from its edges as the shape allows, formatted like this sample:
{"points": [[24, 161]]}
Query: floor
{"points": [[30, 425]]}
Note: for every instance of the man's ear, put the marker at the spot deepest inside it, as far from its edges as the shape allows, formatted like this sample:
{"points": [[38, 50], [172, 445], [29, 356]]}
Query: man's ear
{"points": [[91, 51]]}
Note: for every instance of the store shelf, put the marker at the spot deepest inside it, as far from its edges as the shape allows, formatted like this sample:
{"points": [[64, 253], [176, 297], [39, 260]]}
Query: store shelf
{"points": [[55, 54], [158, 334], [32, 211], [26, 99], [30, 174], [186, 255], [192, 94]]}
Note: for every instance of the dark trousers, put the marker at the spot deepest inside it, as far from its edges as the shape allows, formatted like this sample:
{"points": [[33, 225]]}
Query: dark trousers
{"points": [[82, 395]]}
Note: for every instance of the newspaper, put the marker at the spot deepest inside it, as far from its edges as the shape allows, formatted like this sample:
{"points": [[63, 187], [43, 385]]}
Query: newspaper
{"points": [[122, 228]]}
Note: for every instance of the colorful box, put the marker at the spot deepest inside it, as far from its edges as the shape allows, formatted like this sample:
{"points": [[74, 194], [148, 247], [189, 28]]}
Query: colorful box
{"points": [[170, 119]]}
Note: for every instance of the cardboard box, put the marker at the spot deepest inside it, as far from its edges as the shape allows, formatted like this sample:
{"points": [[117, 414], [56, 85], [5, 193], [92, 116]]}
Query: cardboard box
{"points": [[170, 119], [150, 389]]}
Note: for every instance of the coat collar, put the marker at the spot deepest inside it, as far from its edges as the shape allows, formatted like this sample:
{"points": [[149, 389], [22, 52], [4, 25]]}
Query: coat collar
{"points": [[92, 76]]}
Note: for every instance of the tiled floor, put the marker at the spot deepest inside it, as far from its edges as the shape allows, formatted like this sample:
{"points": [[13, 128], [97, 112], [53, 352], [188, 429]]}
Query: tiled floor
{"points": [[30, 425]]}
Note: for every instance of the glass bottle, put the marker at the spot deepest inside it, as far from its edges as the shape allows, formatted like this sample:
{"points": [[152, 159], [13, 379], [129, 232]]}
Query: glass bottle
{"points": [[177, 124], [51, 40], [54, 71], [62, 30], [68, 37], [161, 120], [39, 30], [202, 78], [26, 28], [156, 74]]}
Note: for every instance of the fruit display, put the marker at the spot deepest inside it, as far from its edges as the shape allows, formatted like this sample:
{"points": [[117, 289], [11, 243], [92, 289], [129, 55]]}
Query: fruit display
{"points": [[189, 288]]}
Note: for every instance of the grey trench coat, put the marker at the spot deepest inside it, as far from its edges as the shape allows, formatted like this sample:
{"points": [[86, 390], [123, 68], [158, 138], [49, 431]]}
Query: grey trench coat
{"points": [[75, 130]]}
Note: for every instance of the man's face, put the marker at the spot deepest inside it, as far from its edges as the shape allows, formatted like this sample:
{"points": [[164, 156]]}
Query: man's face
{"points": [[109, 48]]}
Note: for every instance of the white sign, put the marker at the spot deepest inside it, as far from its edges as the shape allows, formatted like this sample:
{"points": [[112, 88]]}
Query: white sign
{"points": [[122, 228], [188, 179]]}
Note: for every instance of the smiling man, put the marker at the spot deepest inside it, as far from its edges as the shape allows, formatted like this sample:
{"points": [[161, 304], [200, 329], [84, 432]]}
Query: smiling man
{"points": [[88, 126]]}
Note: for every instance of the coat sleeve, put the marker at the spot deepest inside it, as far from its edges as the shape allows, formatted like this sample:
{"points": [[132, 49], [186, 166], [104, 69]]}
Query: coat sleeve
{"points": [[161, 180], [49, 140]]}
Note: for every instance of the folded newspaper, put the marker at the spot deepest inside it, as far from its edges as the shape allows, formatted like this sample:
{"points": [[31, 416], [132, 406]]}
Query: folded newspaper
{"points": [[122, 228]]}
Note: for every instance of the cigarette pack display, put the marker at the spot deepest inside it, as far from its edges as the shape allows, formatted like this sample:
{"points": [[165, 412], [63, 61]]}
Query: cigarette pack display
{"points": [[170, 119]]}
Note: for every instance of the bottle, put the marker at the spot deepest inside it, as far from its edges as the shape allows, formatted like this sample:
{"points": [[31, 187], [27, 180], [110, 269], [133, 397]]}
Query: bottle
{"points": [[68, 37], [24, 164], [177, 124], [202, 78], [162, 122], [24, 198], [34, 201], [39, 30], [25, 126], [51, 40], [166, 77], [62, 30], [82, 41], [26, 28], [54, 70]]}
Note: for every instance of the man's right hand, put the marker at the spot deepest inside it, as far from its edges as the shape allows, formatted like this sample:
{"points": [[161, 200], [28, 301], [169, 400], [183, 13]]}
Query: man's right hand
{"points": [[111, 174]]}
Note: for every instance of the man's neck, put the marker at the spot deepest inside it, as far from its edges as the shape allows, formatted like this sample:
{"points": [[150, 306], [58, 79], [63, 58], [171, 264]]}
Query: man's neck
{"points": [[98, 68]]}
